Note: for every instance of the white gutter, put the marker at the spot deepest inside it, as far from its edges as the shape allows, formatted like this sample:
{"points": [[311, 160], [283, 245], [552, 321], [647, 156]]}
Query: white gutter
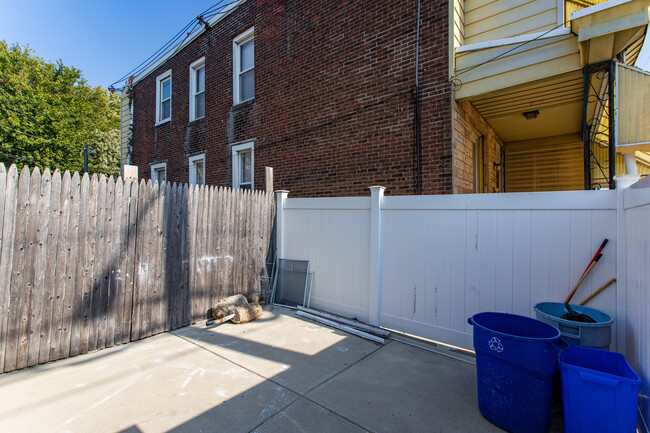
{"points": [[597, 8], [195, 34], [514, 40]]}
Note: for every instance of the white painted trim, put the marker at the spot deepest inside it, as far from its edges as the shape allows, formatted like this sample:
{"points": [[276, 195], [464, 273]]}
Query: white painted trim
{"points": [[597, 8], [236, 149], [514, 40], [192, 162], [560, 12], [223, 13], [159, 79], [193, 67], [565, 200], [155, 167], [329, 203], [236, 44]]}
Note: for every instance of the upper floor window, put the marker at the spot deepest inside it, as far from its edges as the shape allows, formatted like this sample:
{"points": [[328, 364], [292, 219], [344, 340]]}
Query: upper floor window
{"points": [[197, 170], [242, 166], [159, 173], [197, 89], [164, 97], [244, 66]]}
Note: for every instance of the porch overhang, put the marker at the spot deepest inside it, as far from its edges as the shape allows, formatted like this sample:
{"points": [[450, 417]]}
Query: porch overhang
{"points": [[606, 30], [613, 30], [557, 104]]}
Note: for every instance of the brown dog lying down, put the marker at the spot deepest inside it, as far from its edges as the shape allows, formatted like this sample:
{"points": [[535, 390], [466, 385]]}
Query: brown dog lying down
{"points": [[239, 306]]}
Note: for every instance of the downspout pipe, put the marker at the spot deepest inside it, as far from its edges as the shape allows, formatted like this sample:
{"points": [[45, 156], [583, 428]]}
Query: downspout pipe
{"points": [[418, 111]]}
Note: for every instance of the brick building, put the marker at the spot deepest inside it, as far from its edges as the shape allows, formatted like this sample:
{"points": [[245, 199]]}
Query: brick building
{"points": [[331, 108], [327, 93]]}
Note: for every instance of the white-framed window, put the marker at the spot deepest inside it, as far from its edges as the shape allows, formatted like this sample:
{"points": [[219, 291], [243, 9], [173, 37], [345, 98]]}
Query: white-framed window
{"points": [[159, 172], [244, 66], [197, 89], [164, 97], [197, 169], [243, 165]]}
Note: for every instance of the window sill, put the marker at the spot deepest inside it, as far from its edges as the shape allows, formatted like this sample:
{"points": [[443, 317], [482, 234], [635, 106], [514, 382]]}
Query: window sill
{"points": [[163, 122], [200, 119], [243, 103]]}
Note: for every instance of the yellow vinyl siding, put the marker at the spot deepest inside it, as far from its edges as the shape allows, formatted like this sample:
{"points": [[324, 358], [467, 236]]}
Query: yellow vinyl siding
{"points": [[643, 163], [506, 18], [534, 61], [633, 89], [571, 6], [459, 26]]}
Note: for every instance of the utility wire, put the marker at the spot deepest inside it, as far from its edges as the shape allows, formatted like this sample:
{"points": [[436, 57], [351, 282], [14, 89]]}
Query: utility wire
{"points": [[454, 77], [206, 15], [337, 119]]}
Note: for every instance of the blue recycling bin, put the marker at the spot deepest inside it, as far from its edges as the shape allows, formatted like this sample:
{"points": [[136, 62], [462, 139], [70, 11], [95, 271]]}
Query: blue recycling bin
{"points": [[600, 391], [516, 359]]}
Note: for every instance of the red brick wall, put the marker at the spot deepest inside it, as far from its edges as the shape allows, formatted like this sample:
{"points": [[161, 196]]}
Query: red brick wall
{"points": [[466, 121], [333, 112]]}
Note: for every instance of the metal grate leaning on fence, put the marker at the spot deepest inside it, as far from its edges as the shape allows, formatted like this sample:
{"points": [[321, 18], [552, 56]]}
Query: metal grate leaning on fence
{"points": [[88, 262]]}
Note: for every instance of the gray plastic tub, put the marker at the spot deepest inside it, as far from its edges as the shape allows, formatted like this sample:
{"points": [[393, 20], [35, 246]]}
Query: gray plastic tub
{"points": [[597, 335]]}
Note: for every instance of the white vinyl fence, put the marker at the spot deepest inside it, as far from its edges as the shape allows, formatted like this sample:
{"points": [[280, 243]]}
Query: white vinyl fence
{"points": [[437, 260], [444, 259]]}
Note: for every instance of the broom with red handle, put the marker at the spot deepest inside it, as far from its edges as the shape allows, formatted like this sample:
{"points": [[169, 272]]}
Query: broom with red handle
{"points": [[582, 278]]}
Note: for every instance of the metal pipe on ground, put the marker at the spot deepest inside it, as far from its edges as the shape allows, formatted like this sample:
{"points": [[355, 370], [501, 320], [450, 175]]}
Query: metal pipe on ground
{"points": [[345, 321], [345, 328]]}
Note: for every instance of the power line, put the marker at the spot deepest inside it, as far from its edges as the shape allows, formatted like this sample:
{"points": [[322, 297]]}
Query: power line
{"points": [[498, 56], [176, 41], [335, 120]]}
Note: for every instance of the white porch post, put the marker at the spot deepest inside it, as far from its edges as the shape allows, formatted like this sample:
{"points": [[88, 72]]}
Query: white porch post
{"points": [[279, 212], [374, 279]]}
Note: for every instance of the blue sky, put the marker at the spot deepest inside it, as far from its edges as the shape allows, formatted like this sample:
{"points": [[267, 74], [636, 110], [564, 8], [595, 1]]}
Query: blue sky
{"points": [[106, 39]]}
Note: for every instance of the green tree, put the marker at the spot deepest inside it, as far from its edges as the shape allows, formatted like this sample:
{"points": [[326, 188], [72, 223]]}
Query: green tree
{"points": [[48, 113]]}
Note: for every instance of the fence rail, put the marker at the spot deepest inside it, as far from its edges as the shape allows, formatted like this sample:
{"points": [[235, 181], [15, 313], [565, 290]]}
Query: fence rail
{"points": [[88, 262]]}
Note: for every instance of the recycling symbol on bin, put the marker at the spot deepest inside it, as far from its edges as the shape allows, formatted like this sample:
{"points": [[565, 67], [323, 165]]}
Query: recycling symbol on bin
{"points": [[495, 344]]}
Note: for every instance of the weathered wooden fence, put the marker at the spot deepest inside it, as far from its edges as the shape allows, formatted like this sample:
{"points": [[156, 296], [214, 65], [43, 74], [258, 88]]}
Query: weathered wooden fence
{"points": [[88, 262]]}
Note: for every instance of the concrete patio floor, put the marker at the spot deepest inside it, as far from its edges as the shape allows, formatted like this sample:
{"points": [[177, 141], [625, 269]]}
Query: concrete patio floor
{"points": [[281, 373]]}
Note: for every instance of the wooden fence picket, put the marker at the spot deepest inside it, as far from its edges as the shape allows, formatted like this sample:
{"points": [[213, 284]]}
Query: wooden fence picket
{"points": [[76, 243], [112, 259], [61, 276], [49, 287], [27, 285], [6, 259], [36, 311], [130, 260], [118, 279]]}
